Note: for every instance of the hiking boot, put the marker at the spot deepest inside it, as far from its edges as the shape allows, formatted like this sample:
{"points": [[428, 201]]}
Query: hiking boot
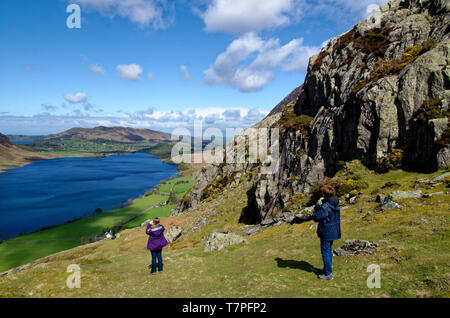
{"points": [[325, 277]]}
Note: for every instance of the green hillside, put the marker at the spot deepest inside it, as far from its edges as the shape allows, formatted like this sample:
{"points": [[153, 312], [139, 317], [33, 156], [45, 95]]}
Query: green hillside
{"points": [[281, 261], [27, 248]]}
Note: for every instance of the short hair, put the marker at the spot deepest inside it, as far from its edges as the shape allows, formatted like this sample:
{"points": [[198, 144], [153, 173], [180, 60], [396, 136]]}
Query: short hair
{"points": [[156, 220], [327, 191]]}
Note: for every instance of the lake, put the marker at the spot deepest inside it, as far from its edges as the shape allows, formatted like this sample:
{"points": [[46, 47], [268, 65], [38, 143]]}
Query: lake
{"points": [[22, 142], [51, 192]]}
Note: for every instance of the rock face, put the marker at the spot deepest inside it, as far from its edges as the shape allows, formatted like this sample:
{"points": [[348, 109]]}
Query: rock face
{"points": [[355, 247], [405, 194], [371, 91], [292, 97], [173, 233], [225, 175], [378, 93], [4, 141], [220, 240]]}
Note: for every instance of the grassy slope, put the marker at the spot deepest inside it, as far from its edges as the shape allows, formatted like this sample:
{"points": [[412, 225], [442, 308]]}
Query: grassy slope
{"points": [[27, 248], [279, 262]]}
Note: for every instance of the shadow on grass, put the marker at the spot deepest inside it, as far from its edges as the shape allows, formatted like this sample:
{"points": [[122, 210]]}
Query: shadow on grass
{"points": [[303, 265]]}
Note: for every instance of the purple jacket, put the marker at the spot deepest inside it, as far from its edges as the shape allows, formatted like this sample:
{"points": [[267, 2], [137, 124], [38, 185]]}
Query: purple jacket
{"points": [[156, 239]]}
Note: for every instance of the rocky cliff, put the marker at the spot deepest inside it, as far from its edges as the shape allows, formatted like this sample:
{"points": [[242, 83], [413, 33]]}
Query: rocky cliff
{"points": [[378, 93]]}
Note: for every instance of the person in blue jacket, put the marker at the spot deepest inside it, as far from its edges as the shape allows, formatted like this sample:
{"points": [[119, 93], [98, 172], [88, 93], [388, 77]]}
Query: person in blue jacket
{"points": [[329, 228]]}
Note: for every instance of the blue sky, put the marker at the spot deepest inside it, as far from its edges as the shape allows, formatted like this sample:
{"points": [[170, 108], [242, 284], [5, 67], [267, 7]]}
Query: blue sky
{"points": [[158, 64]]}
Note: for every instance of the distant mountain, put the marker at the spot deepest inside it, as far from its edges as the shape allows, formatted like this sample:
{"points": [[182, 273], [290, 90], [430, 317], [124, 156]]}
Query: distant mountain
{"points": [[5, 142], [119, 134], [12, 156], [292, 97]]}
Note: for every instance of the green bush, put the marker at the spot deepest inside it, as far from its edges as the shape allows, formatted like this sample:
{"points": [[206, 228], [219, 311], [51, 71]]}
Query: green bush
{"points": [[430, 110], [393, 160]]}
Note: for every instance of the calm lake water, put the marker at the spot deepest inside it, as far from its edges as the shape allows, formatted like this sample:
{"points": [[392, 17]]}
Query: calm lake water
{"points": [[51, 192]]}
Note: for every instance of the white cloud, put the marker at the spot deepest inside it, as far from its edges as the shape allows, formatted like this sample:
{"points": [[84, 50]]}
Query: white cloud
{"points": [[141, 12], [340, 10], [75, 99], [215, 117], [228, 69], [186, 74], [130, 72], [97, 70], [49, 107], [238, 16]]}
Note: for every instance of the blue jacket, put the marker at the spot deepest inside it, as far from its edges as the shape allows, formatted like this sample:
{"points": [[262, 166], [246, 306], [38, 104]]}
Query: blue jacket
{"points": [[329, 218]]}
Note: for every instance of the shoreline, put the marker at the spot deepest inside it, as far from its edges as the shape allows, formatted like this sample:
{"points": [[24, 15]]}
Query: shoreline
{"points": [[57, 155], [178, 174], [56, 238]]}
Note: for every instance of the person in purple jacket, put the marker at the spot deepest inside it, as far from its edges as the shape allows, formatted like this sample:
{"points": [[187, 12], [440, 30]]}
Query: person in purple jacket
{"points": [[155, 244]]}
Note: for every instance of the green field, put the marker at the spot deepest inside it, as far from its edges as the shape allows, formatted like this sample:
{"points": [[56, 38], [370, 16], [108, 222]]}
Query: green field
{"points": [[91, 146], [27, 248]]}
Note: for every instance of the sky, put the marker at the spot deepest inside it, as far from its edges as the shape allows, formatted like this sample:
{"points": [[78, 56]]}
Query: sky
{"points": [[158, 64]]}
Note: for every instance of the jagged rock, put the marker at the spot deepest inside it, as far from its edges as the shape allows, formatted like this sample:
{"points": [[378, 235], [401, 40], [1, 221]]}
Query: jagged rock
{"points": [[285, 217], [173, 233], [405, 195], [254, 229], [366, 124], [428, 195], [423, 181], [218, 241], [381, 198], [268, 222], [441, 177], [389, 205], [359, 107], [355, 247]]}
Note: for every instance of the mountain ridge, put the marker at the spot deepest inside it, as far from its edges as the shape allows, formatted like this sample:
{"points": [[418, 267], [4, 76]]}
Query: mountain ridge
{"points": [[117, 133], [377, 93]]}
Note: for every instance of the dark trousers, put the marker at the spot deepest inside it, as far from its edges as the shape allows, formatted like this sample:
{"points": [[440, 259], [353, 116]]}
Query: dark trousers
{"points": [[157, 256], [327, 256]]}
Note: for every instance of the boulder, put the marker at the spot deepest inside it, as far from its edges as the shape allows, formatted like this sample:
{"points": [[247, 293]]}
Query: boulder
{"points": [[268, 222], [389, 205], [173, 233], [219, 241], [441, 177], [254, 229], [396, 195], [355, 247]]}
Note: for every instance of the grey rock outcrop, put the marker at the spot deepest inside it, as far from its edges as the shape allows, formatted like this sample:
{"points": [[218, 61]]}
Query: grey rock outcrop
{"points": [[382, 86], [355, 247], [219, 240], [405, 195], [364, 109], [173, 233], [389, 205]]}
